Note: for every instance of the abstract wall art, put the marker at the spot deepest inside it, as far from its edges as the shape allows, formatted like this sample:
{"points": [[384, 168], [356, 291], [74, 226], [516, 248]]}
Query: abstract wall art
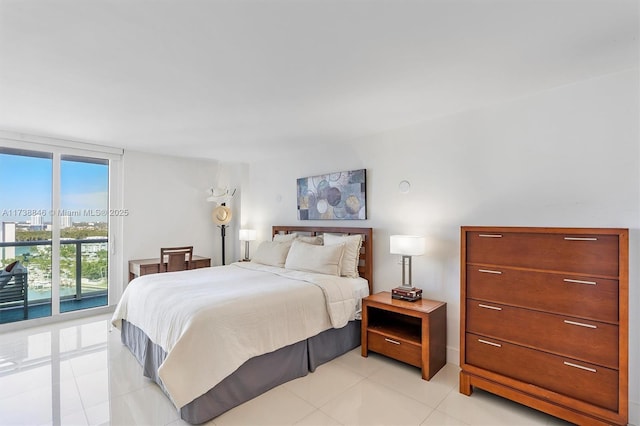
{"points": [[334, 196]]}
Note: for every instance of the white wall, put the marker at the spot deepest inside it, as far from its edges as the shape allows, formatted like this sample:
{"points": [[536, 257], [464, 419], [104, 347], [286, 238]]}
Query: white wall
{"points": [[564, 157], [166, 199]]}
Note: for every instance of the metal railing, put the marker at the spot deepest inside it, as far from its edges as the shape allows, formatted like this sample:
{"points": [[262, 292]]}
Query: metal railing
{"points": [[78, 259]]}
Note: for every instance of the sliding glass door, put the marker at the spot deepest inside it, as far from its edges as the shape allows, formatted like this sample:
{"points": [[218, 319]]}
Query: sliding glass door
{"points": [[55, 225], [84, 230], [26, 232]]}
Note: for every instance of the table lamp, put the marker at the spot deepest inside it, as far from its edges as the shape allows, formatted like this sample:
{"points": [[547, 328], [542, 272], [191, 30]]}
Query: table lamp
{"points": [[407, 246], [247, 235]]}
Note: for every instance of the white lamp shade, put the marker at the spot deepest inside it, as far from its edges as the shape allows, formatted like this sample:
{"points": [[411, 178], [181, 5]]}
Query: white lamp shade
{"points": [[248, 234], [407, 245]]}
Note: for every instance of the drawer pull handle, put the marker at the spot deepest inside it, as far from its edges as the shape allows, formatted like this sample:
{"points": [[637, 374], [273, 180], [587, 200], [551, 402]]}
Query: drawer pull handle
{"points": [[581, 324], [490, 236], [568, 280], [580, 239], [581, 367], [489, 271], [495, 308], [486, 342], [395, 342]]}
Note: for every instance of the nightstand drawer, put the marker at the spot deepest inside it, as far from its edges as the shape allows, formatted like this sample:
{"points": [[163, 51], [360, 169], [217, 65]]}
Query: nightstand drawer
{"points": [[396, 348]]}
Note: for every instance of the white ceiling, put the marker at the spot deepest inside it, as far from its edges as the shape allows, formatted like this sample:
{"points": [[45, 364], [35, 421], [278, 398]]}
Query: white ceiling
{"points": [[245, 79]]}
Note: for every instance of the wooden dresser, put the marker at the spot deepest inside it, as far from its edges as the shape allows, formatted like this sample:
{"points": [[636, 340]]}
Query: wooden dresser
{"points": [[544, 319]]}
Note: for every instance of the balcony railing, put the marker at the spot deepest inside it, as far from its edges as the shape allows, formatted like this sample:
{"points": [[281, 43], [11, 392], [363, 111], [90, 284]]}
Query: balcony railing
{"points": [[78, 243]]}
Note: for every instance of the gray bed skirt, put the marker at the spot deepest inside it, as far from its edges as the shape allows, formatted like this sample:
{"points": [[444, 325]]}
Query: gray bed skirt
{"points": [[252, 378]]}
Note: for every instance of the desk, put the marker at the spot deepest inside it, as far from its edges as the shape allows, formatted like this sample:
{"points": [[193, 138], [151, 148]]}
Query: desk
{"points": [[139, 267]]}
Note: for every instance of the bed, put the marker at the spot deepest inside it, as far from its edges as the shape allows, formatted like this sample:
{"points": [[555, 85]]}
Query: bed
{"points": [[213, 338]]}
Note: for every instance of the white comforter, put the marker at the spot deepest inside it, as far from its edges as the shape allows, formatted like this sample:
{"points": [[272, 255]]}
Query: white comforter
{"points": [[210, 321]]}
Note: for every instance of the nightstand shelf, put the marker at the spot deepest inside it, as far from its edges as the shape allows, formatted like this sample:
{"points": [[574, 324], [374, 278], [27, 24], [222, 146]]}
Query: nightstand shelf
{"points": [[411, 332], [395, 325]]}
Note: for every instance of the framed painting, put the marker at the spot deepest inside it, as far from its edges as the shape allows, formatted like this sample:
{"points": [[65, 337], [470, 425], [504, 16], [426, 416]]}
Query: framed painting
{"points": [[334, 196]]}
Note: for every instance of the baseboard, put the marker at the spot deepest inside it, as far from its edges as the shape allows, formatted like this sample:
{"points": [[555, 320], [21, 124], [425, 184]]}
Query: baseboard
{"points": [[453, 355], [634, 413]]}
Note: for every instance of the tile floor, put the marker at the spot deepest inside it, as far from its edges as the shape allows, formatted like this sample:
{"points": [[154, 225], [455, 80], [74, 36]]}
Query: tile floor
{"points": [[78, 373]]}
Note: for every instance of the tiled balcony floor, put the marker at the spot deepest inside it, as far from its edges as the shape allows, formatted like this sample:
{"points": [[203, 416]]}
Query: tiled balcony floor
{"points": [[41, 310]]}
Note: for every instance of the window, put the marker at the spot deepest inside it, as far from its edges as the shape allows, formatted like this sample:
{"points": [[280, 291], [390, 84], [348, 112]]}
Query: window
{"points": [[56, 222]]}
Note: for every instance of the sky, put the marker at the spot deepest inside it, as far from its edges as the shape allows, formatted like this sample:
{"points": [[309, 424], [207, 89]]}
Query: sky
{"points": [[26, 185]]}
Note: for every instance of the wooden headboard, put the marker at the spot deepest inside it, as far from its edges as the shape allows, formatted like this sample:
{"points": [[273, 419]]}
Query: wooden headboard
{"points": [[365, 268]]}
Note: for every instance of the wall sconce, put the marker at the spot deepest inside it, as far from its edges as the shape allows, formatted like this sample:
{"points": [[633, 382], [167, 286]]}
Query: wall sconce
{"points": [[247, 235]]}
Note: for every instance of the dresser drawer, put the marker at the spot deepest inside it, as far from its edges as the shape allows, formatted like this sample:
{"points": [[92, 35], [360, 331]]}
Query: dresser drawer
{"points": [[587, 382], [581, 253], [585, 340], [578, 296], [396, 348]]}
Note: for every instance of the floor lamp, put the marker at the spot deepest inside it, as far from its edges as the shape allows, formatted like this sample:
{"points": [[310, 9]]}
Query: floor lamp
{"points": [[222, 217]]}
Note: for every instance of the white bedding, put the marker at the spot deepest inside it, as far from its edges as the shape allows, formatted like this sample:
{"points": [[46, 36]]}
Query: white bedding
{"points": [[221, 317]]}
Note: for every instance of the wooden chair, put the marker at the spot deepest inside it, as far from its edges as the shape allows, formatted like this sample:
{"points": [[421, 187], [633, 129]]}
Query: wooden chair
{"points": [[175, 258]]}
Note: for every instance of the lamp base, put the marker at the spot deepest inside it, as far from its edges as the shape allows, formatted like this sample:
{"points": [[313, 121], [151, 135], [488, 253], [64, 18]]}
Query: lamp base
{"points": [[410, 294]]}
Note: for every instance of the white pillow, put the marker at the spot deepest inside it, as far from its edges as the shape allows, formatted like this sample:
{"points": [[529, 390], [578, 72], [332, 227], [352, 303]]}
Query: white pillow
{"points": [[314, 258], [272, 253], [284, 237], [351, 257], [310, 240]]}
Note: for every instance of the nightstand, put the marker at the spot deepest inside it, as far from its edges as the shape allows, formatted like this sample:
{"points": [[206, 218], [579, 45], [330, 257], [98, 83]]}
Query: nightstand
{"points": [[412, 332]]}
